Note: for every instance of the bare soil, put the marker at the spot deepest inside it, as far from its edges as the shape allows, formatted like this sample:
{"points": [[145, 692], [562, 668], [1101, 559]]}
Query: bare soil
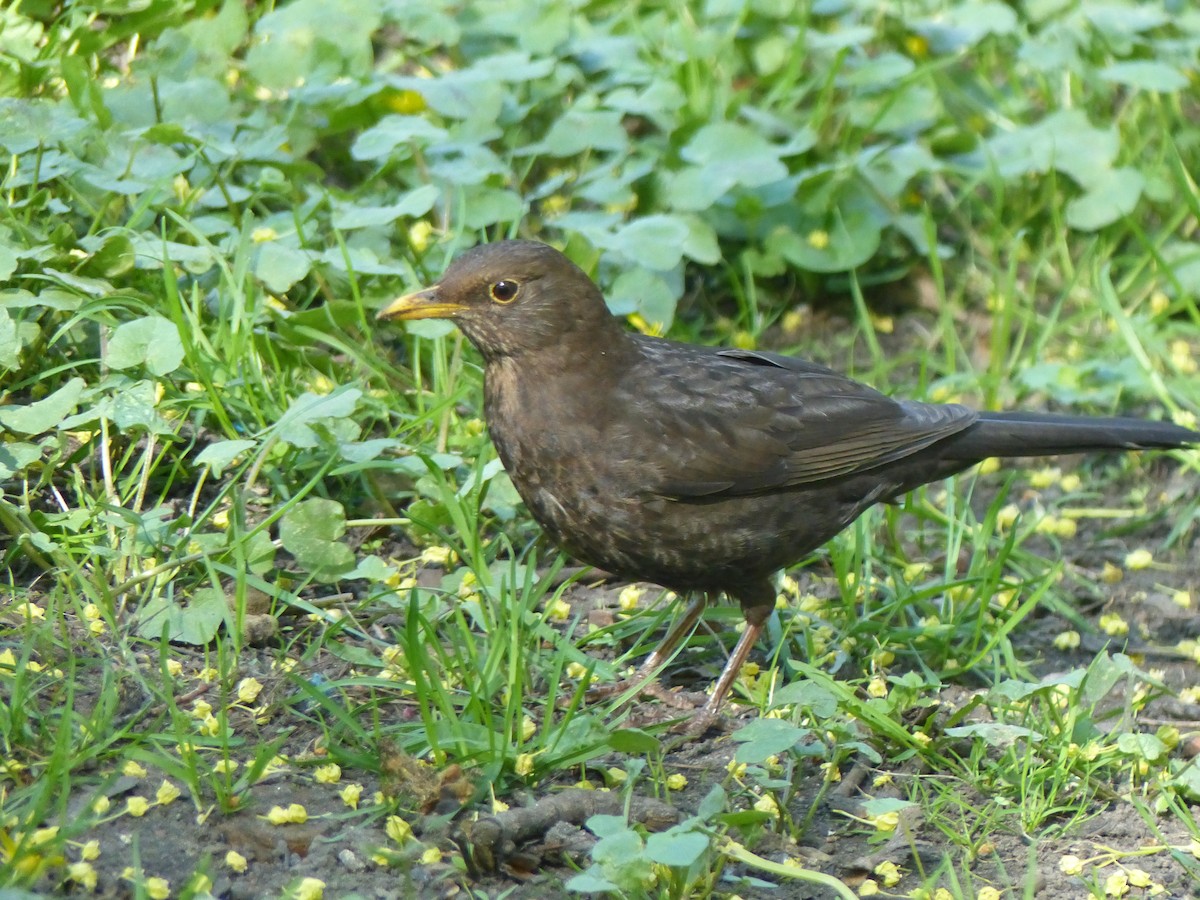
{"points": [[336, 844]]}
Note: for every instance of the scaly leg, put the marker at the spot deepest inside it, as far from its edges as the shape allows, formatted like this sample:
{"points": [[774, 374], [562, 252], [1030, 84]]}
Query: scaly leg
{"points": [[710, 713], [757, 600], [645, 676]]}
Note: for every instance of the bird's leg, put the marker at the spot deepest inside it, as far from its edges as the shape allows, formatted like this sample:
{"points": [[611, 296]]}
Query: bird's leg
{"points": [[645, 676], [757, 603], [710, 713]]}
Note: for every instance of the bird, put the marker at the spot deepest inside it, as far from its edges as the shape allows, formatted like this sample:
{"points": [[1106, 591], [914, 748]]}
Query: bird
{"points": [[703, 469]]}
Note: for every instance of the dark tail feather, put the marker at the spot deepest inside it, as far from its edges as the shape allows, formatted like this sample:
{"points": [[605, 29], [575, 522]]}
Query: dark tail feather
{"points": [[1047, 434]]}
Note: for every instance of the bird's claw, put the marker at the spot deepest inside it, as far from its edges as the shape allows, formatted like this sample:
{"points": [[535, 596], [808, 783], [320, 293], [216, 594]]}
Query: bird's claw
{"points": [[695, 727], [649, 690]]}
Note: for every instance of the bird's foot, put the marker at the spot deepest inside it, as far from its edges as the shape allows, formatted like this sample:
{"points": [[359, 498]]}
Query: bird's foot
{"points": [[703, 720], [648, 690], [696, 726]]}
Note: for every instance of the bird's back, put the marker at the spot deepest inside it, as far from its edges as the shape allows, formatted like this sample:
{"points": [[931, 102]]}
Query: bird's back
{"points": [[698, 467]]}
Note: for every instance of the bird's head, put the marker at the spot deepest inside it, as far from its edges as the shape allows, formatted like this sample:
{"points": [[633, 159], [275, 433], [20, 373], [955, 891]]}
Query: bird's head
{"points": [[511, 298]]}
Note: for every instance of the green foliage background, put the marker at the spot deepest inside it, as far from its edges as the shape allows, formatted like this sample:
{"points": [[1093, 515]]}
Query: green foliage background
{"points": [[204, 203]]}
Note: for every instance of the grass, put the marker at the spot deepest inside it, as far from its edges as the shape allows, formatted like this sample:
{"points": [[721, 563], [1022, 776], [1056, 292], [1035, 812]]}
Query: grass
{"points": [[247, 537]]}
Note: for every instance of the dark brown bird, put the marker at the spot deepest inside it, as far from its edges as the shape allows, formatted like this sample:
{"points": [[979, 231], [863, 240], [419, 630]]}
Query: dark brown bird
{"points": [[701, 469]]}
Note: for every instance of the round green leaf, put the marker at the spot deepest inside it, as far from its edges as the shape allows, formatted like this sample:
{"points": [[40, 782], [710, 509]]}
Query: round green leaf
{"points": [[150, 341], [1147, 74], [8, 262], [679, 849], [219, 455], [643, 292], [312, 531], [10, 341], [15, 456], [849, 243], [1112, 196], [112, 258], [279, 267], [45, 414], [655, 242], [634, 740], [578, 131], [195, 622], [766, 737]]}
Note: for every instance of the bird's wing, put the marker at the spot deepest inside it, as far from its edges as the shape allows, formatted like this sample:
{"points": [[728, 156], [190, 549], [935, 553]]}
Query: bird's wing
{"points": [[737, 422]]}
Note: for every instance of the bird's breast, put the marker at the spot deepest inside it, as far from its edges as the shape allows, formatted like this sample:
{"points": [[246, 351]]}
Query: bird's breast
{"points": [[589, 474], [576, 473]]}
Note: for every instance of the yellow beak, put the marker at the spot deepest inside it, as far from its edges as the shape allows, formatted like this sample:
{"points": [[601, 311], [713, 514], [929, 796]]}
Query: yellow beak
{"points": [[423, 304]]}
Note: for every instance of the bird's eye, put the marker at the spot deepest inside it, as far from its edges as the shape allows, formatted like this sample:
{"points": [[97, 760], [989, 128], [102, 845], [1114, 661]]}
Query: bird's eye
{"points": [[504, 291]]}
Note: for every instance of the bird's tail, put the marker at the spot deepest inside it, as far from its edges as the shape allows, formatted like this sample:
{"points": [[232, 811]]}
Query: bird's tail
{"points": [[1047, 434]]}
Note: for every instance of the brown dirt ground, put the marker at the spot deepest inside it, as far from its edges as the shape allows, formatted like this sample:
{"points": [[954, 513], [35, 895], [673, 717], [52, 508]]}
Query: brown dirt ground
{"points": [[335, 845]]}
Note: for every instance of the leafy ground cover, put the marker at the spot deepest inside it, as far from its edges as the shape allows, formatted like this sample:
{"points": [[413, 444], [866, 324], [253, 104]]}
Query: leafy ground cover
{"points": [[275, 623]]}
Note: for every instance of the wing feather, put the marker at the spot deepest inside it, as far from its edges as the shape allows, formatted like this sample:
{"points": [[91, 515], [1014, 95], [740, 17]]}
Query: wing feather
{"points": [[738, 422]]}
